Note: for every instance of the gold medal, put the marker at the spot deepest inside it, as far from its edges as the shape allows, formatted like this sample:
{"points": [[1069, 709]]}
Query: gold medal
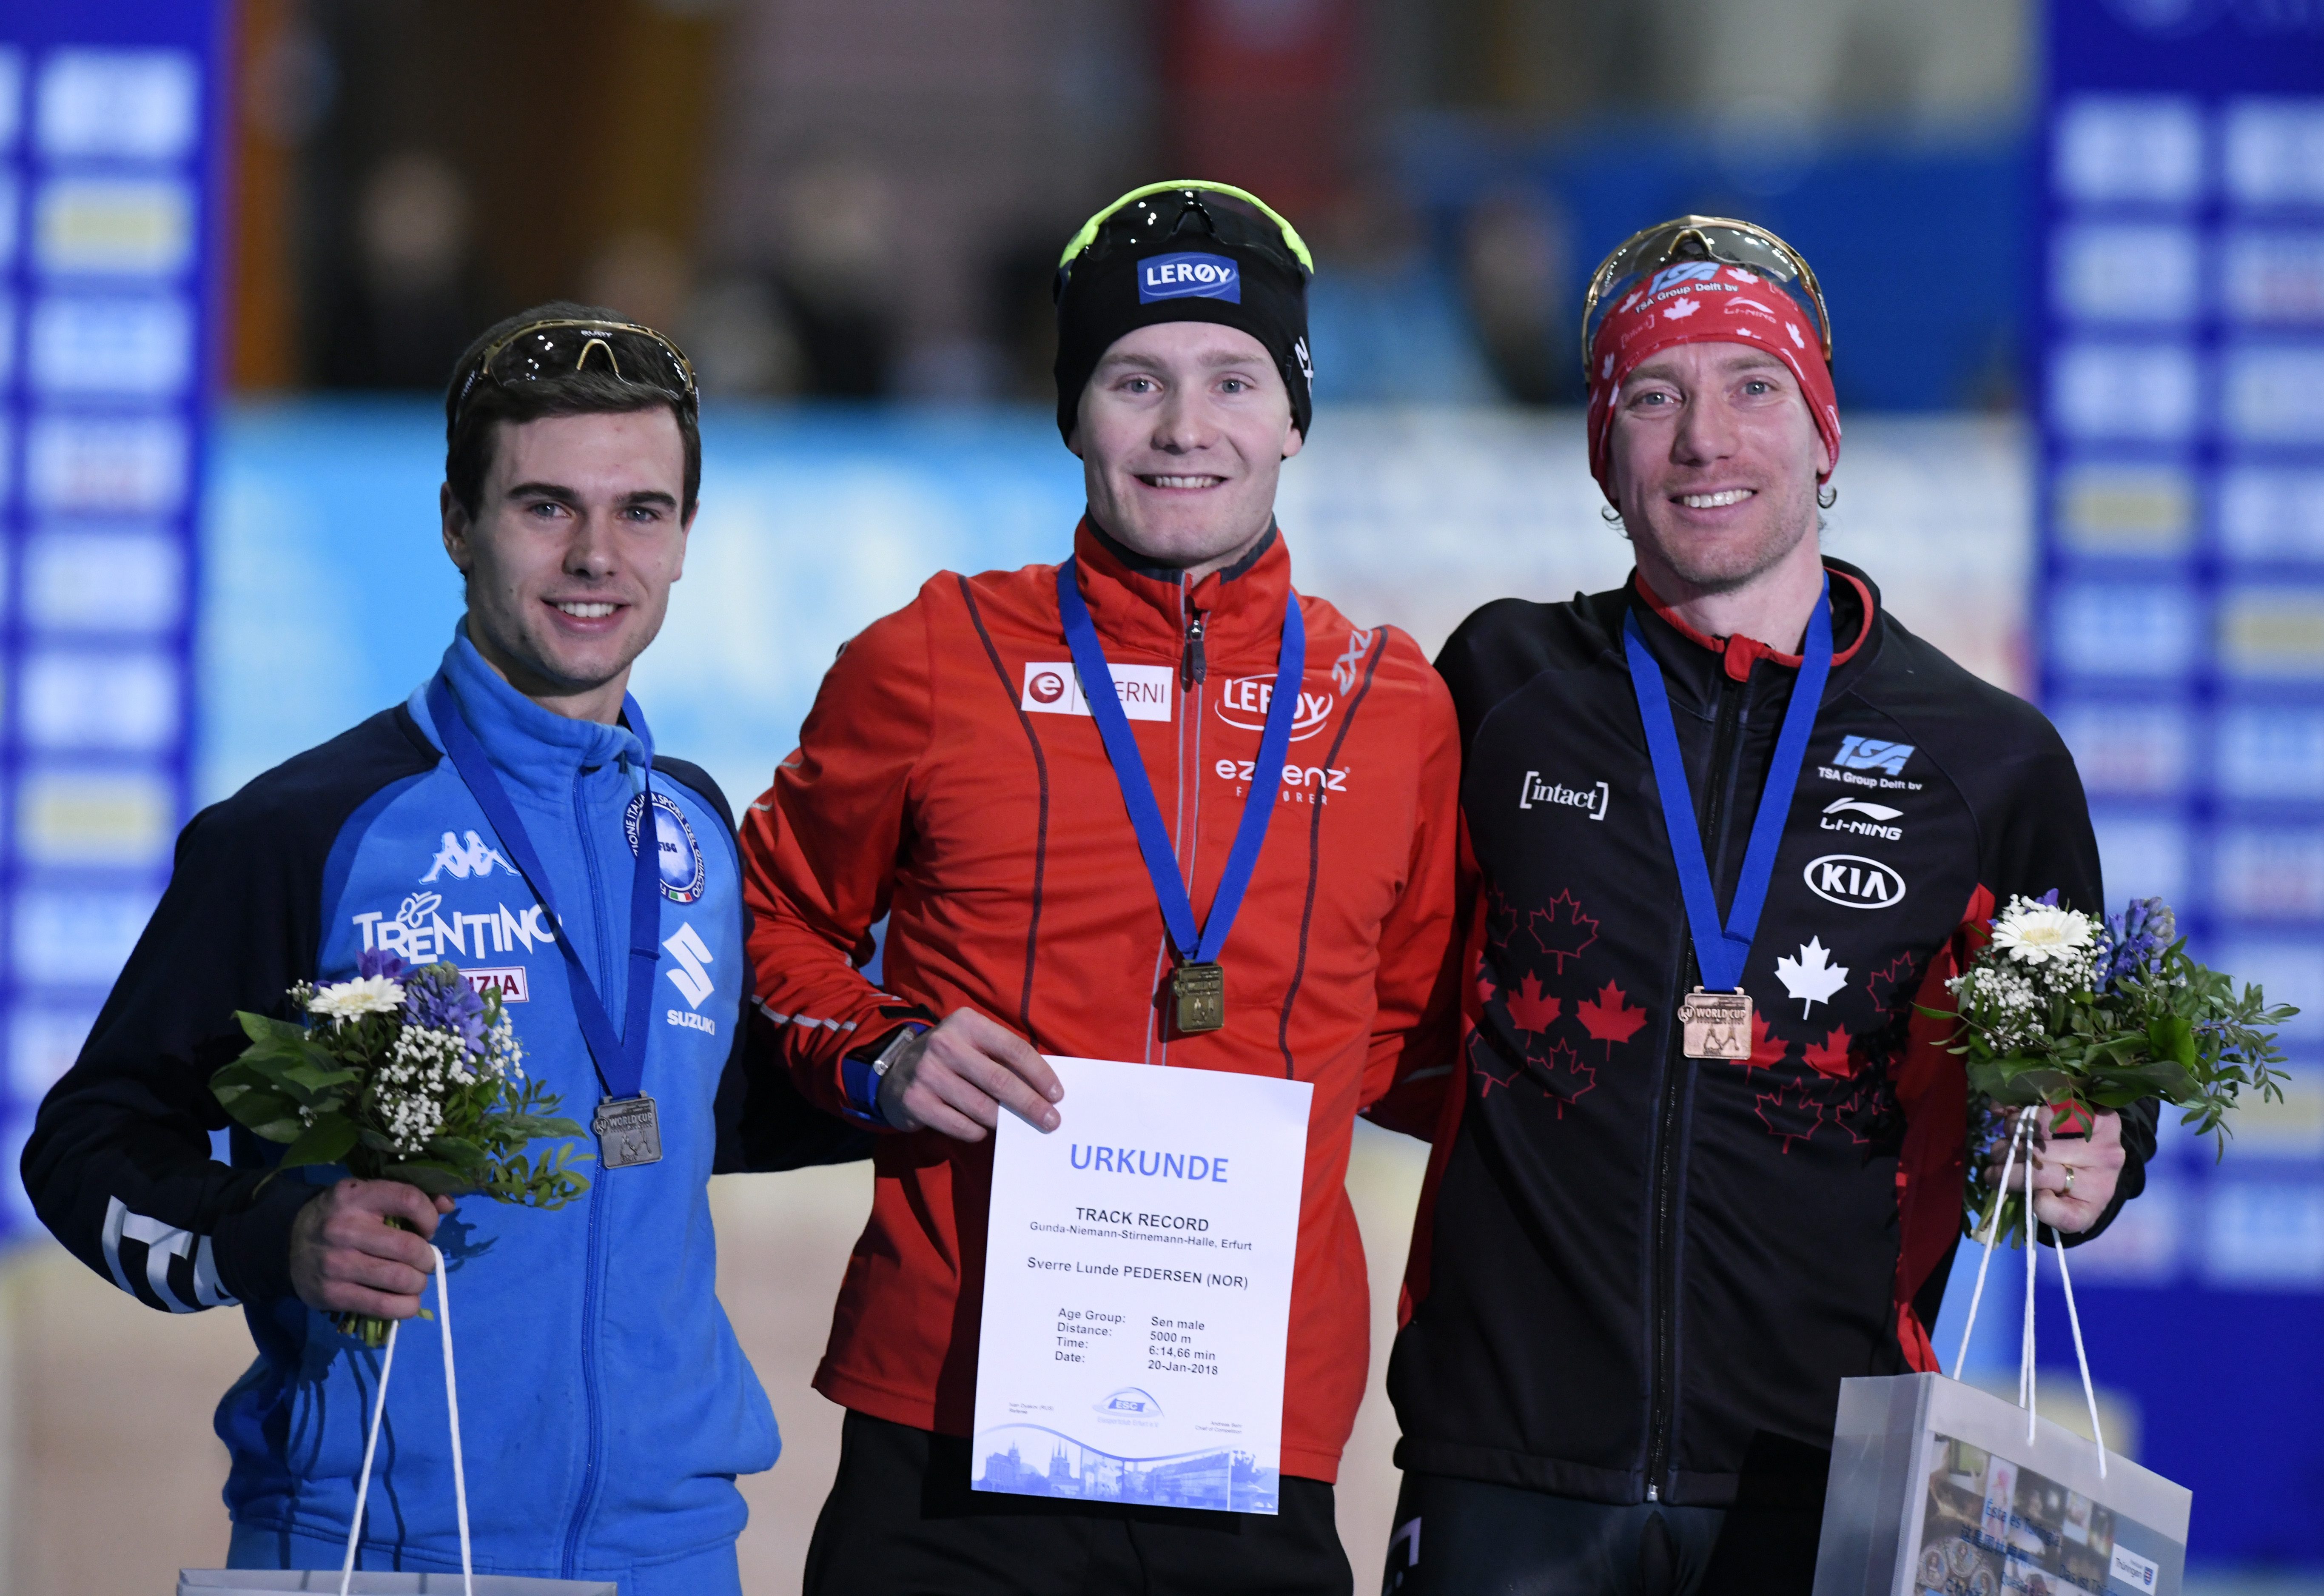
{"points": [[1716, 1024], [1201, 993]]}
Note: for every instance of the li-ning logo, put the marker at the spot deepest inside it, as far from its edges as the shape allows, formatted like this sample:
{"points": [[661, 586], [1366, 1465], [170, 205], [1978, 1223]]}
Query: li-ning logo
{"points": [[1534, 790], [1865, 754], [1188, 275]]}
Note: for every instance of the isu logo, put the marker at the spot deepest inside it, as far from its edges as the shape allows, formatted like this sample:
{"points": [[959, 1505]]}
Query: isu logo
{"points": [[1244, 702]]}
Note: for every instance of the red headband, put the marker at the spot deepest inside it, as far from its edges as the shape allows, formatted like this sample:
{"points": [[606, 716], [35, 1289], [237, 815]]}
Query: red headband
{"points": [[1704, 302]]}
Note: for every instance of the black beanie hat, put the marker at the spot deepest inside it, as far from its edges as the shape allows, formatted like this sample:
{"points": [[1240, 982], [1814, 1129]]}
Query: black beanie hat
{"points": [[1181, 253]]}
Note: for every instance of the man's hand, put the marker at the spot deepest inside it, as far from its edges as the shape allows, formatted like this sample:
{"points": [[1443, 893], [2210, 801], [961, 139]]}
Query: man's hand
{"points": [[2074, 1176], [957, 1078], [347, 1258]]}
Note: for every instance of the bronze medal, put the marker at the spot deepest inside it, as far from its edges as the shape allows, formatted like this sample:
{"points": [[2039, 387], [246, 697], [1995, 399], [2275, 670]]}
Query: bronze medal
{"points": [[1716, 1024], [1201, 992], [629, 1132]]}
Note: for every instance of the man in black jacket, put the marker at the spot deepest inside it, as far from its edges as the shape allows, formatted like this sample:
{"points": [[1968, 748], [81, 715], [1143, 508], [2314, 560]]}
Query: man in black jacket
{"points": [[1703, 1160]]}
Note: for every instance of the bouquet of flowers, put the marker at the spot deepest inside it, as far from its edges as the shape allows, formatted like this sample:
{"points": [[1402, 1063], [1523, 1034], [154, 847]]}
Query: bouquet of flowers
{"points": [[2065, 1010], [402, 1075]]}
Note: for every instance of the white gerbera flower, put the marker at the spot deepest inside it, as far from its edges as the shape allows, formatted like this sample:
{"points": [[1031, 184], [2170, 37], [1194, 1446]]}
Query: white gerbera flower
{"points": [[368, 995], [2037, 933]]}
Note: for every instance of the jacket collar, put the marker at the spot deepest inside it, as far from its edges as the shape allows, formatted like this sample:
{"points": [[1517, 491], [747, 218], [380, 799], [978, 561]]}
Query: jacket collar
{"points": [[1739, 653], [1144, 608], [528, 747]]}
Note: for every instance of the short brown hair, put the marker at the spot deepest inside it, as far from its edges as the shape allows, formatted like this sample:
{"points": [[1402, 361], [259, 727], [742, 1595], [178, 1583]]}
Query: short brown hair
{"points": [[469, 429]]}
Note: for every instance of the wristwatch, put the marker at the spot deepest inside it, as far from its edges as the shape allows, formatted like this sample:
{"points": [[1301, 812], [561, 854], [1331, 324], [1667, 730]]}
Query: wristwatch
{"points": [[894, 1050]]}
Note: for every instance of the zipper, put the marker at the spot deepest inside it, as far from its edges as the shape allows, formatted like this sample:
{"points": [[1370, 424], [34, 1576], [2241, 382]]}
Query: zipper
{"points": [[1192, 666], [591, 1281], [1677, 1074]]}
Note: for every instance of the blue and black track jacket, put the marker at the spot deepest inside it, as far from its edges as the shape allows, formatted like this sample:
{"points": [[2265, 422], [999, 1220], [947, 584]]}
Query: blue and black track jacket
{"points": [[1639, 1276], [605, 1405]]}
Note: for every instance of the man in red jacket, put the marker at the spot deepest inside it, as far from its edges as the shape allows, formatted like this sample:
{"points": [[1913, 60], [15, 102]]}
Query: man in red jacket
{"points": [[951, 779]]}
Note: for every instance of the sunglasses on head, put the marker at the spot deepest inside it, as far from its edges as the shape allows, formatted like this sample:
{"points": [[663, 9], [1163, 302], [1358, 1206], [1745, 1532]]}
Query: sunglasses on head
{"points": [[1154, 215], [542, 350], [1723, 239]]}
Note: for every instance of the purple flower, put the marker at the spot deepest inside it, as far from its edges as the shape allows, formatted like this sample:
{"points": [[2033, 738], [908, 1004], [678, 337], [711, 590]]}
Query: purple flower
{"points": [[375, 961], [439, 998], [2137, 939]]}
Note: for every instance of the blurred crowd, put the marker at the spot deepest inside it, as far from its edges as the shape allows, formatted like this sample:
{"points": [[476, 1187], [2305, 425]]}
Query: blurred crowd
{"points": [[853, 199]]}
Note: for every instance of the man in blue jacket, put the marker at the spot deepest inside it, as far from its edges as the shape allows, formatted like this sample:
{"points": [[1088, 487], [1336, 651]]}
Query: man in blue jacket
{"points": [[607, 1406]]}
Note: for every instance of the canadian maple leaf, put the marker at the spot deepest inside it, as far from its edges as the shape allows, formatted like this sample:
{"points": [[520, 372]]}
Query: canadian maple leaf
{"points": [[1767, 1048], [1489, 1068], [1568, 1076], [1560, 929], [1887, 986], [1812, 977], [1830, 1057], [1610, 1018], [1776, 1101], [1529, 1010]]}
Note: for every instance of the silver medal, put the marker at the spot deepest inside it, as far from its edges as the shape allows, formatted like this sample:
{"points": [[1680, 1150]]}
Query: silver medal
{"points": [[1716, 1024], [628, 1131]]}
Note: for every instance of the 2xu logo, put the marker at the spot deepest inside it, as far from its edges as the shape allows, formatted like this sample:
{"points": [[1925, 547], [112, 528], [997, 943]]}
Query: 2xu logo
{"points": [[1854, 881]]}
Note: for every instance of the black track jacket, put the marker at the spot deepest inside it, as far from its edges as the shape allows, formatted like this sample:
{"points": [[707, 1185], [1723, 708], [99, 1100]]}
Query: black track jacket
{"points": [[1636, 1275]]}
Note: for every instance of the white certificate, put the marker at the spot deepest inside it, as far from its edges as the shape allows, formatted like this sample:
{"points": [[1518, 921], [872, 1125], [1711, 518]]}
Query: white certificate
{"points": [[1137, 1289]]}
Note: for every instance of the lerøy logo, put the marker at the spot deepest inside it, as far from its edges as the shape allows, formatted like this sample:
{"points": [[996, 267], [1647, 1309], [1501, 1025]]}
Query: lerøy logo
{"points": [[1244, 702], [464, 860], [1534, 791], [1189, 274], [1867, 753], [680, 857], [1854, 881]]}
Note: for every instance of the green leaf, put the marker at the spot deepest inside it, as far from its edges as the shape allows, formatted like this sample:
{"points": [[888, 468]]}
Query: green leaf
{"points": [[326, 1141], [437, 1180], [2172, 1036], [260, 1029]]}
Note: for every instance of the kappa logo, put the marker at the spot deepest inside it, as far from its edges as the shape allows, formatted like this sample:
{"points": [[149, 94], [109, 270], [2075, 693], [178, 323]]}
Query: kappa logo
{"points": [[1867, 753], [1146, 691], [464, 860], [1854, 881], [1593, 800], [1343, 668], [1190, 274], [1837, 817], [1243, 701]]}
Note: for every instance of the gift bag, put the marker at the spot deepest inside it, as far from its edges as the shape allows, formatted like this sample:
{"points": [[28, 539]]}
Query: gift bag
{"points": [[345, 1581], [1939, 1489]]}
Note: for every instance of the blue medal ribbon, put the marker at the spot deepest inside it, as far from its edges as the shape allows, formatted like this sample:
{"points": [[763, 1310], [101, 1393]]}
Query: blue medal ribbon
{"points": [[1721, 954], [620, 1059], [1193, 946]]}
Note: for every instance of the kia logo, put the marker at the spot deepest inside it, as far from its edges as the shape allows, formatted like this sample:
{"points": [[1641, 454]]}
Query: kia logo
{"points": [[1854, 881], [1048, 687]]}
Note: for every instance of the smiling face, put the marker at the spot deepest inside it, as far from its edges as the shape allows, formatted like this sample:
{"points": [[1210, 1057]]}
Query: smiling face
{"points": [[1182, 430], [576, 539], [1715, 461]]}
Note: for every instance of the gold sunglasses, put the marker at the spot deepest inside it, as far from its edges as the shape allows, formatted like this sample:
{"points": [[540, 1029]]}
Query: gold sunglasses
{"points": [[632, 354], [1723, 239]]}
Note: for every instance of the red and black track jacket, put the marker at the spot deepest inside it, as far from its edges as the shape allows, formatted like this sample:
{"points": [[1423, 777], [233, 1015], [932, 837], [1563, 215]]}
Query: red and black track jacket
{"points": [[944, 780], [1636, 1275]]}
